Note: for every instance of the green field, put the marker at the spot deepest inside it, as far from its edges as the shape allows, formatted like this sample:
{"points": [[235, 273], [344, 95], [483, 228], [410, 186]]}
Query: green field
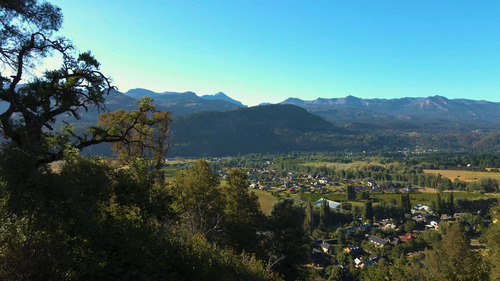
{"points": [[266, 199]]}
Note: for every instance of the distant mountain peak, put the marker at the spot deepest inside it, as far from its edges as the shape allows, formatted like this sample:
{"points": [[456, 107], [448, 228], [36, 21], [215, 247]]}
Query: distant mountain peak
{"points": [[138, 93], [292, 101], [224, 97], [221, 94]]}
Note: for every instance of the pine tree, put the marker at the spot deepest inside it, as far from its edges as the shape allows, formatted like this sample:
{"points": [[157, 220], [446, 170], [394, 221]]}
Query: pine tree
{"points": [[451, 205], [324, 214], [368, 211], [309, 222], [406, 203], [351, 192], [453, 259], [439, 205]]}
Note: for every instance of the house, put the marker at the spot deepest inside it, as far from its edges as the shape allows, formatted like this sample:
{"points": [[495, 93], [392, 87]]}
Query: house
{"points": [[420, 207], [388, 226], [373, 257], [430, 218], [377, 241], [432, 225], [362, 264], [326, 247], [408, 189], [354, 250], [358, 262], [407, 237], [333, 205]]}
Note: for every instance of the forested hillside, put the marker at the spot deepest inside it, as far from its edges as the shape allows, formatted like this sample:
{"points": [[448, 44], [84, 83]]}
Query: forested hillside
{"points": [[262, 128]]}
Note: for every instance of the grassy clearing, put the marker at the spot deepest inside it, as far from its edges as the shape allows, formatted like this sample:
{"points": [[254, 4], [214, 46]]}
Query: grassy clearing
{"points": [[266, 200], [464, 175]]}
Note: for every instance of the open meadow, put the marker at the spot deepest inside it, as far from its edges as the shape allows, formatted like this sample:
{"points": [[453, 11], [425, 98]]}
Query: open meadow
{"points": [[466, 176]]}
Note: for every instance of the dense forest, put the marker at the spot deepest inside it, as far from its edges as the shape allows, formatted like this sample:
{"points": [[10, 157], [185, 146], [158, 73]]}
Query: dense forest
{"points": [[69, 216]]}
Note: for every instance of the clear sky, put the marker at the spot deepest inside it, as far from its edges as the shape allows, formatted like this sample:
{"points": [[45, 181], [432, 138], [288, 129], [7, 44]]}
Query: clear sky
{"points": [[266, 51]]}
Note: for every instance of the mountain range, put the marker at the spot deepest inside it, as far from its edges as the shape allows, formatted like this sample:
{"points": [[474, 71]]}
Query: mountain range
{"points": [[349, 111], [186, 102], [217, 125], [435, 110]]}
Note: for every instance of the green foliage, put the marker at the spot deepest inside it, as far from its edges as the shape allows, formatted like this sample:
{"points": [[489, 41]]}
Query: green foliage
{"points": [[405, 203], [484, 185], [89, 222], [309, 220], [368, 211], [335, 273], [431, 237], [409, 226], [288, 245], [492, 236], [365, 195], [324, 215], [439, 206], [198, 200], [452, 259], [451, 204], [242, 215], [401, 270], [351, 192], [386, 211], [146, 132]]}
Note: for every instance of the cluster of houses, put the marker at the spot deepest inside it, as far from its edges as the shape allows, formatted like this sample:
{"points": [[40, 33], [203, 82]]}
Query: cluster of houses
{"points": [[362, 258], [274, 180]]}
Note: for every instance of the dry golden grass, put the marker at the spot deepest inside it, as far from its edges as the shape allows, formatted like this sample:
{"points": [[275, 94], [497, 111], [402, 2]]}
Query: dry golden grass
{"points": [[464, 175]]}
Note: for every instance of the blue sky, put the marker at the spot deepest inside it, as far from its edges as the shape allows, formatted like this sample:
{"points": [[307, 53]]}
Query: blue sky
{"points": [[267, 51]]}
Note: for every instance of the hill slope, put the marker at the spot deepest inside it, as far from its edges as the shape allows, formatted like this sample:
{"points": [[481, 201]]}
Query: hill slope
{"points": [[272, 128]]}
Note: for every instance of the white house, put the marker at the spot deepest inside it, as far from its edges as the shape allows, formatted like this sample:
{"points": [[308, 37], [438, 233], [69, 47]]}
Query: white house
{"points": [[333, 205]]}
